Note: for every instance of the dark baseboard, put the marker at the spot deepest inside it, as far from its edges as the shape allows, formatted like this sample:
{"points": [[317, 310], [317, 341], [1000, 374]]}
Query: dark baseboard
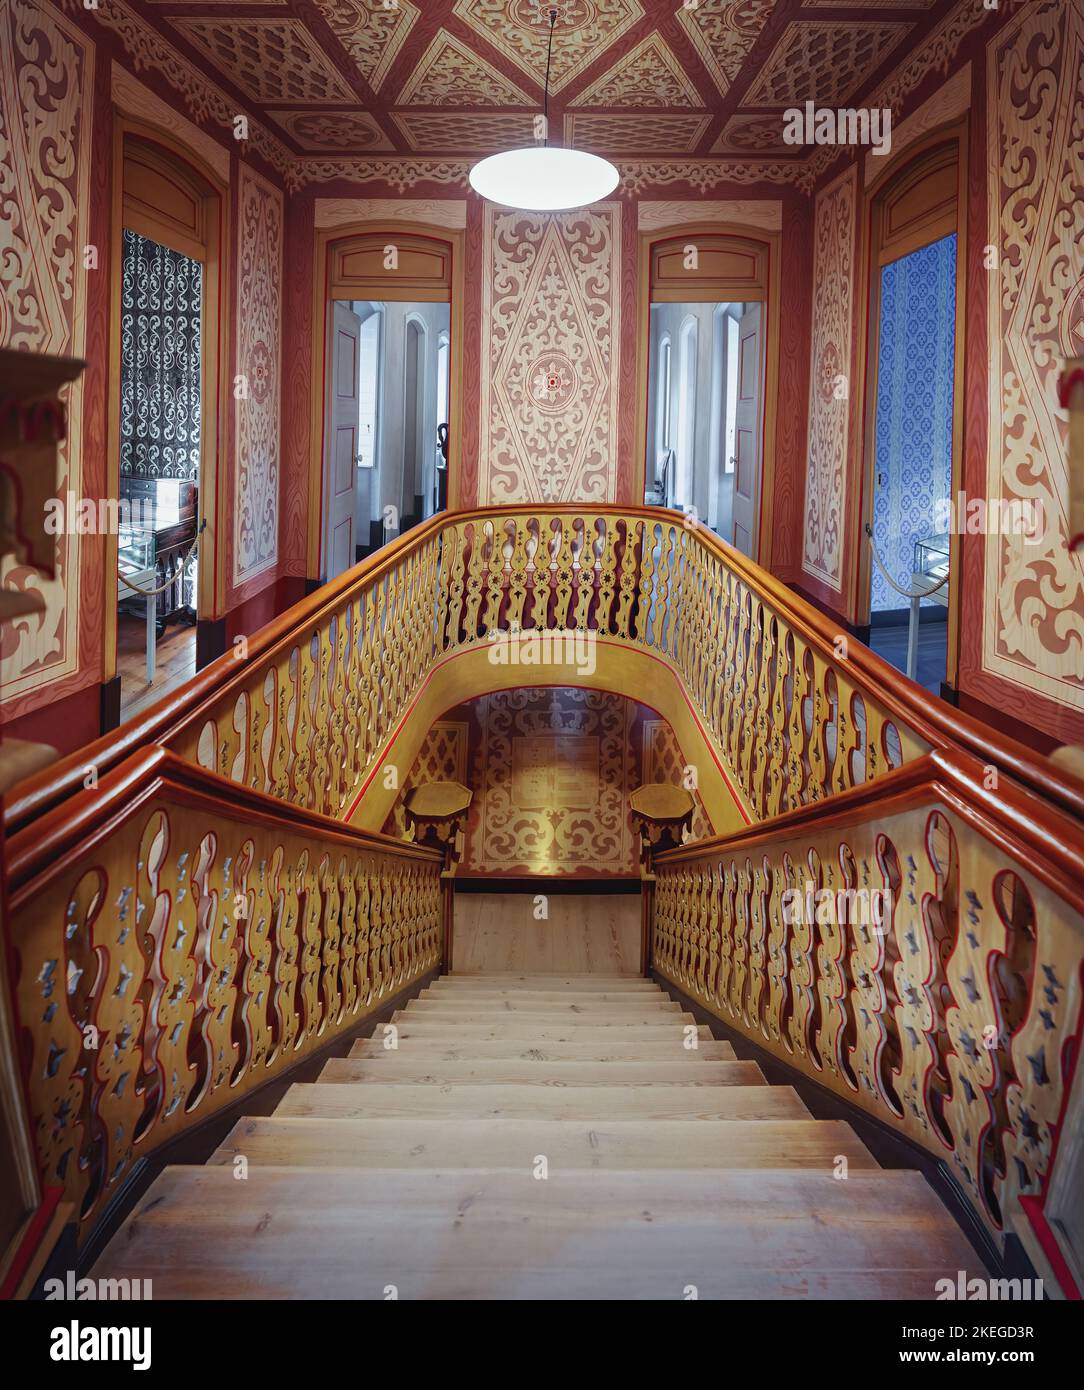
{"points": [[554, 887], [109, 704], [210, 640], [311, 586], [890, 1149], [196, 1145]]}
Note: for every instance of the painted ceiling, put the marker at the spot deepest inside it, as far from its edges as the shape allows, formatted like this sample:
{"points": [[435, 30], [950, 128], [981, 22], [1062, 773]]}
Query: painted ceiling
{"points": [[465, 77]]}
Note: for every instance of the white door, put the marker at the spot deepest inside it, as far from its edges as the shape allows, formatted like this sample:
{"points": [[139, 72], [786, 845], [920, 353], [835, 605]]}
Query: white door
{"points": [[342, 448], [747, 433]]}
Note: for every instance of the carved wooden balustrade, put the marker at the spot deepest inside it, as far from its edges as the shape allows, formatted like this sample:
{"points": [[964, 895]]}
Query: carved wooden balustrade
{"points": [[795, 710], [179, 941], [942, 995]]}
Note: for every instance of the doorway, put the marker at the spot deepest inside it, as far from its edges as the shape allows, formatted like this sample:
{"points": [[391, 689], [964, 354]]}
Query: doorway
{"points": [[912, 465], [709, 363], [705, 408], [163, 431], [388, 427], [388, 365], [908, 565]]}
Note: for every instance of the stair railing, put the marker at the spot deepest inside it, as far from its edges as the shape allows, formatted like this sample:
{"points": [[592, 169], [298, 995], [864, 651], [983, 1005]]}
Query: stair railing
{"points": [[796, 709], [180, 940], [916, 947]]}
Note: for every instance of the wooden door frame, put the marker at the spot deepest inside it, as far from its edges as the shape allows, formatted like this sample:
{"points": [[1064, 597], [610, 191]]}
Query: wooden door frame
{"points": [[214, 369], [325, 240], [767, 294], [907, 162]]}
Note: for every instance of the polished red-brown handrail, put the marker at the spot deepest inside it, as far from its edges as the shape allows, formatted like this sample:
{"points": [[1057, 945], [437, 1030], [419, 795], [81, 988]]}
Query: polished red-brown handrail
{"points": [[44, 849], [186, 705]]}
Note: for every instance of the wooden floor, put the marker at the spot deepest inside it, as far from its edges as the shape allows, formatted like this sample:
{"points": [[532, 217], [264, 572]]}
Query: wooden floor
{"points": [[175, 662], [584, 934], [517, 1136]]}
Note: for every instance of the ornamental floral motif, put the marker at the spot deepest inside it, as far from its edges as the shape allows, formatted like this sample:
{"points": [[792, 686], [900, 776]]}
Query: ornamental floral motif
{"points": [[553, 382]]}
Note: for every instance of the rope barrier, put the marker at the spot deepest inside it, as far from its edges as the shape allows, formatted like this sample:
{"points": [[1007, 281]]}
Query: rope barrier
{"points": [[904, 593], [153, 593]]}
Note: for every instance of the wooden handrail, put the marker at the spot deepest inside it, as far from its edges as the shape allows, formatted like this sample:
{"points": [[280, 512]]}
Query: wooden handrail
{"points": [[1016, 820], [44, 849], [167, 716]]}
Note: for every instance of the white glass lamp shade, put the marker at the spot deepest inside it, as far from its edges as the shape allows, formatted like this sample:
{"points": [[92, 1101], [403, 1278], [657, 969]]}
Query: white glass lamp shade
{"points": [[544, 178]]}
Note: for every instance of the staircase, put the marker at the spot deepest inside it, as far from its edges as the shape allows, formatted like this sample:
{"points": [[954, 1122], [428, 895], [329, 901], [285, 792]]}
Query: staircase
{"points": [[540, 1137]]}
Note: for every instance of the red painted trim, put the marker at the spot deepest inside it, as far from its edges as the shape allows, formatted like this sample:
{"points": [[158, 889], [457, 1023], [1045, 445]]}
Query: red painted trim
{"points": [[1067, 383], [543, 684], [32, 1238], [1033, 1210]]}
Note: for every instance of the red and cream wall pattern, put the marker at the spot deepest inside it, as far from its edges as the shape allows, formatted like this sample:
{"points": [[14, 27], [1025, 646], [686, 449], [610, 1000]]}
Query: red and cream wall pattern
{"points": [[551, 325], [1033, 619], [47, 69]]}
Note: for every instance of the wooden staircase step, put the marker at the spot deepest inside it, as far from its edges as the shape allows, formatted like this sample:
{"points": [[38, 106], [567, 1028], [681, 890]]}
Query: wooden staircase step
{"points": [[349, 1234], [556, 996], [552, 1013], [550, 1030], [559, 1102], [493, 1072], [588, 1008], [609, 1145], [614, 1048], [565, 983]]}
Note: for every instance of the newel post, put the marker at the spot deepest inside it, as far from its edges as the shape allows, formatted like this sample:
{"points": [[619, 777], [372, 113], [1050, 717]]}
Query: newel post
{"points": [[436, 813], [661, 814]]}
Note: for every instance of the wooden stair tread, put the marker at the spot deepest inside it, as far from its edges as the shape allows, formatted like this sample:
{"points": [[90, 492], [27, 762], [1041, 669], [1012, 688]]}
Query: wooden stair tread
{"points": [[568, 1102], [469, 1233], [557, 996], [614, 1048], [562, 982], [555, 1031], [503, 1143], [551, 1008], [489, 1072]]}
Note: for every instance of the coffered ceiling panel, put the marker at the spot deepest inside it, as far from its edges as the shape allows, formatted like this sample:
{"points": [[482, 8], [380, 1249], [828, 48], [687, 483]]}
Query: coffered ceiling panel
{"points": [[649, 75], [820, 60], [268, 59], [723, 32], [627, 134], [472, 133], [449, 74], [333, 130], [520, 30], [370, 32], [460, 77]]}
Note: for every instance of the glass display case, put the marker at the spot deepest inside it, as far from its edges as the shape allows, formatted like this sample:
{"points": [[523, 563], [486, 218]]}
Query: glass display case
{"points": [[931, 565], [135, 551]]}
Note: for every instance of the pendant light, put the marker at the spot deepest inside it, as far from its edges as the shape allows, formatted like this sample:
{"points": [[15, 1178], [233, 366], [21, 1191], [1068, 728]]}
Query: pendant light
{"points": [[544, 178]]}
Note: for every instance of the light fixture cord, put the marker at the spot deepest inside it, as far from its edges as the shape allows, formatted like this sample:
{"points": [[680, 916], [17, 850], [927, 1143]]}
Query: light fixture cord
{"points": [[546, 98]]}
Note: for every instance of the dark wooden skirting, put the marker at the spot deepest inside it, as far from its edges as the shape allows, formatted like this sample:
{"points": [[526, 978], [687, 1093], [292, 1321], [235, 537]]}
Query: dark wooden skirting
{"points": [[210, 640], [110, 704], [552, 886], [891, 1150], [197, 1144]]}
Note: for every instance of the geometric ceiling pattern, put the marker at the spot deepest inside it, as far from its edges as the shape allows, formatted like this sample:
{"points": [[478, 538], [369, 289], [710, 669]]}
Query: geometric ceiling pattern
{"points": [[465, 77]]}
